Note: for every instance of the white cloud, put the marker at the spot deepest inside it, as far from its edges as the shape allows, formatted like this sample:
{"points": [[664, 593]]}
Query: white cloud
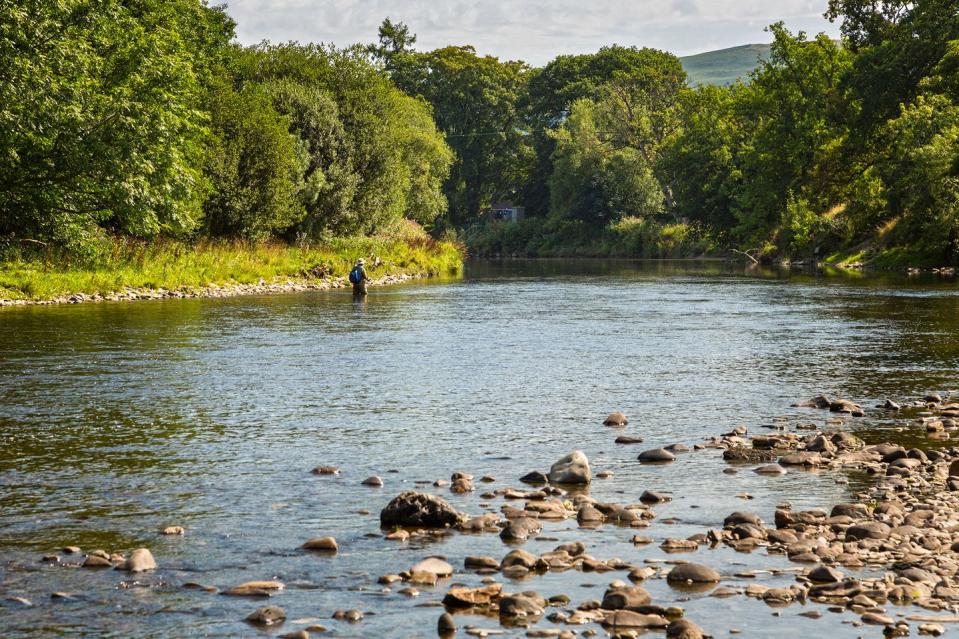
{"points": [[532, 30]]}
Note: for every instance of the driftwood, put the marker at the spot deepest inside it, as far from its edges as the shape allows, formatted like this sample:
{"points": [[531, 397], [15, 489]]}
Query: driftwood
{"points": [[746, 253]]}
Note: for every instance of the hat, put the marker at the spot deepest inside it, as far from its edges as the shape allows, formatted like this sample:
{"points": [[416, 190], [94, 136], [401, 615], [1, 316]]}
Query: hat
{"points": [[360, 262]]}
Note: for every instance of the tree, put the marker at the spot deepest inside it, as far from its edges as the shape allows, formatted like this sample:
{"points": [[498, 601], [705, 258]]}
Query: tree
{"points": [[99, 115], [568, 78], [394, 40], [897, 44], [921, 175], [795, 111], [594, 178], [473, 100], [700, 160], [254, 166]]}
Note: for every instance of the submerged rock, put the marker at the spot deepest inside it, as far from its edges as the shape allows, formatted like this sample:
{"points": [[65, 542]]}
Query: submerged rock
{"points": [[571, 469], [420, 510], [267, 616]]}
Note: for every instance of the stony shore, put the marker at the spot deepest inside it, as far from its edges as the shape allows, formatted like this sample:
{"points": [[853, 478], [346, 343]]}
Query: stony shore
{"points": [[281, 285], [890, 556]]}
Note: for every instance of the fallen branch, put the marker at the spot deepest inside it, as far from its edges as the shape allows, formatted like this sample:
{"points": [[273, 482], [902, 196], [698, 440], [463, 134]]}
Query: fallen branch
{"points": [[746, 253]]}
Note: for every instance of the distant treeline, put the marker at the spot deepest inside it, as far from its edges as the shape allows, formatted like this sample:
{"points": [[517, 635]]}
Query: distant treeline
{"points": [[143, 118]]}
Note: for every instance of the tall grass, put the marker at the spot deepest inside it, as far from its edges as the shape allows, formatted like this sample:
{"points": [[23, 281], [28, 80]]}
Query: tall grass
{"points": [[28, 273]]}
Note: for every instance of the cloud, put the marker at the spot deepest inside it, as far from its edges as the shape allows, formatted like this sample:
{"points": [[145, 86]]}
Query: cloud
{"points": [[533, 30]]}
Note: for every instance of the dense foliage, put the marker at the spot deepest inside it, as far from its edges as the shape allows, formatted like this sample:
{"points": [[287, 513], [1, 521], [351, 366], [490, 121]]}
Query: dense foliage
{"points": [[143, 118]]}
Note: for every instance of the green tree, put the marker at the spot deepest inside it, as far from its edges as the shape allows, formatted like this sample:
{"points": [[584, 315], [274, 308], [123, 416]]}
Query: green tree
{"points": [[795, 111], [385, 134], [99, 115], [921, 175], [553, 89], [254, 164], [474, 102], [595, 178], [700, 160]]}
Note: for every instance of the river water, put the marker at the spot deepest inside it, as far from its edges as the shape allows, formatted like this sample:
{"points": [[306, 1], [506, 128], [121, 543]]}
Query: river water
{"points": [[119, 419]]}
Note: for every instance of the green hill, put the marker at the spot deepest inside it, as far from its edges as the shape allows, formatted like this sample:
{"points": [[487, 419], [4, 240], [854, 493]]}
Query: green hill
{"points": [[724, 66]]}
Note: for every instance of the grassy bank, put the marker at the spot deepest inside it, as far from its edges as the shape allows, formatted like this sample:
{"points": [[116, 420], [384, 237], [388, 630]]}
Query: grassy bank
{"points": [[38, 273], [630, 237]]}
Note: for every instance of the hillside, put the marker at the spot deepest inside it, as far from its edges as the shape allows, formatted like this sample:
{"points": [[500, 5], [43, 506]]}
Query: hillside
{"points": [[724, 66]]}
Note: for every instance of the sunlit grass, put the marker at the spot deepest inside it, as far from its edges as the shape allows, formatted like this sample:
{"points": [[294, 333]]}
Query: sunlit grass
{"points": [[169, 264]]}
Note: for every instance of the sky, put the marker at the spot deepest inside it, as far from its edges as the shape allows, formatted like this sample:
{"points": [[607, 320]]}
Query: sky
{"points": [[532, 30]]}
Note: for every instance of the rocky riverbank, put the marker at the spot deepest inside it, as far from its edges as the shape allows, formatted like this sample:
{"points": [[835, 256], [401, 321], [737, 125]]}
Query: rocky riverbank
{"points": [[278, 286], [889, 555]]}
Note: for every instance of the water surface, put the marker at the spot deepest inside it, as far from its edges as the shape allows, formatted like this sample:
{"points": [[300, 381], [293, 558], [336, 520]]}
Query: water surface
{"points": [[119, 419]]}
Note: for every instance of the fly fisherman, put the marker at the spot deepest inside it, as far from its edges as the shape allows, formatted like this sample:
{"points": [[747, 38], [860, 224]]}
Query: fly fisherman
{"points": [[359, 278]]}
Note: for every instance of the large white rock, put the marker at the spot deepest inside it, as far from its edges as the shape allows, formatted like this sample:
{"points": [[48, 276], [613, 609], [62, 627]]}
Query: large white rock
{"points": [[140, 560], [572, 469]]}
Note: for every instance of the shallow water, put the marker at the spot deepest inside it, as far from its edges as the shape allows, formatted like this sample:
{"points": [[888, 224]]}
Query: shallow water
{"points": [[119, 419]]}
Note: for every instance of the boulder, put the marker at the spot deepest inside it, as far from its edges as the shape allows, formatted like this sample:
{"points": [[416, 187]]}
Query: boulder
{"points": [[519, 557], [463, 597], [629, 619], [322, 544], [650, 497], [520, 529], [267, 616], [625, 597], [139, 560], [800, 459], [825, 575], [737, 518], [684, 629], [525, 604], [695, 573], [867, 530], [534, 477], [420, 510], [434, 565], [446, 626], [571, 469], [656, 455], [616, 419]]}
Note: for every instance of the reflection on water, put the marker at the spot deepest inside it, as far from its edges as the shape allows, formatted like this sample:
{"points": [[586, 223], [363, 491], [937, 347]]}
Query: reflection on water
{"points": [[119, 419]]}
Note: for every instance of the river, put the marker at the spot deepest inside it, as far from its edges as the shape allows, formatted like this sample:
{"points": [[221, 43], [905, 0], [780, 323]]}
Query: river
{"points": [[118, 419]]}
